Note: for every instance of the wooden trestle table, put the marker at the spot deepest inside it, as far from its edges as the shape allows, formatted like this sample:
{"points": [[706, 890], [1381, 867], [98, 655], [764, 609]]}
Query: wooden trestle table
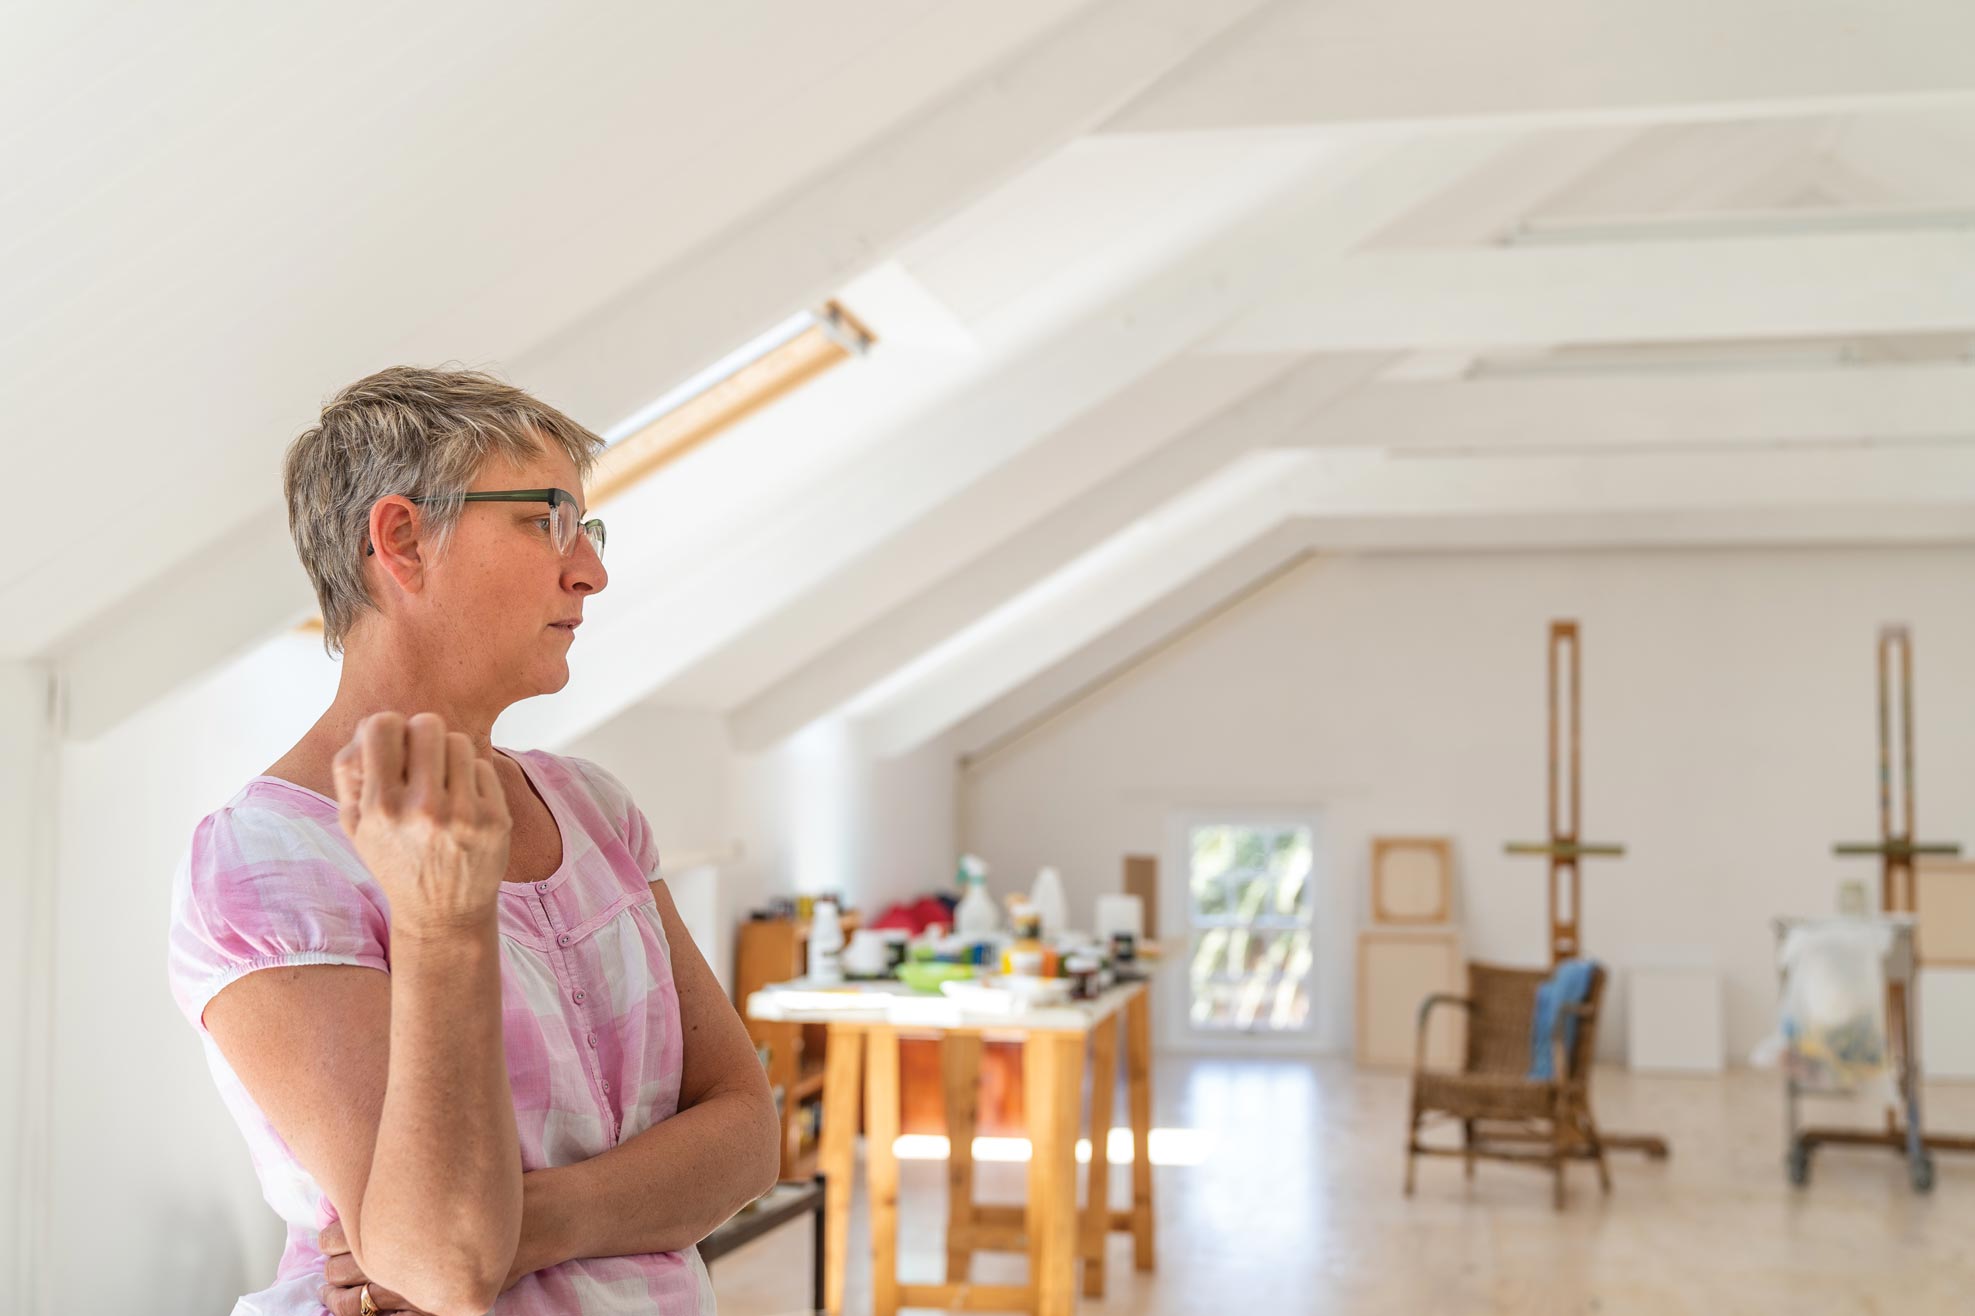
{"points": [[864, 1031]]}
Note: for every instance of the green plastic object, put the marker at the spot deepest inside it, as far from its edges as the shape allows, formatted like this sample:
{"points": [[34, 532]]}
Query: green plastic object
{"points": [[922, 976]]}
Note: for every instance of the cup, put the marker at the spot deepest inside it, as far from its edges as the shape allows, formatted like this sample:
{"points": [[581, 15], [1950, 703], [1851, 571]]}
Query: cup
{"points": [[867, 956]]}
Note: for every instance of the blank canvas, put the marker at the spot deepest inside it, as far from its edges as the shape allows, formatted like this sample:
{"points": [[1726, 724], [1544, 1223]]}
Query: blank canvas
{"points": [[1412, 880], [1396, 971], [1944, 908]]}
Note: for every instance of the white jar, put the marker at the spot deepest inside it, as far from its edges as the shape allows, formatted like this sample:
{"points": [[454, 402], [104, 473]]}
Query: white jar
{"points": [[826, 944]]}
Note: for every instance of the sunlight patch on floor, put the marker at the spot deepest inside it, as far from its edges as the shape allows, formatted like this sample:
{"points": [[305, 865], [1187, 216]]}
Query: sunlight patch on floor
{"points": [[1168, 1147]]}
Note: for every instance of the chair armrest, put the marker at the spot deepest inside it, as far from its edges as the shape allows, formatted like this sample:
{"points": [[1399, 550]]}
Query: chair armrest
{"points": [[1426, 1008]]}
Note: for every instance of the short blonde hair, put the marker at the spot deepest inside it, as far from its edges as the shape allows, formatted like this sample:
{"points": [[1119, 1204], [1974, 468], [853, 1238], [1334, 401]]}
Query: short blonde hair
{"points": [[411, 431]]}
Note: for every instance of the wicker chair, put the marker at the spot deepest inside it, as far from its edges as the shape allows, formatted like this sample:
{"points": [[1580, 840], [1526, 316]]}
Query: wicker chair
{"points": [[1503, 1114]]}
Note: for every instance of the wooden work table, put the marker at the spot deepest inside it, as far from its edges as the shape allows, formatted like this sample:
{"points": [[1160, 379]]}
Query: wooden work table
{"points": [[865, 1028]]}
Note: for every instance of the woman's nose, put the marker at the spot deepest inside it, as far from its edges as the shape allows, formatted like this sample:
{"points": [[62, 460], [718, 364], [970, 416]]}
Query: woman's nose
{"points": [[583, 571]]}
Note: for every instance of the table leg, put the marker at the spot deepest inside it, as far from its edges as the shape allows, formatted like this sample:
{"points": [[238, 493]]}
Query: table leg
{"points": [[1138, 1067], [960, 1063], [1097, 1197], [1052, 1084], [837, 1154], [881, 1165], [818, 1296]]}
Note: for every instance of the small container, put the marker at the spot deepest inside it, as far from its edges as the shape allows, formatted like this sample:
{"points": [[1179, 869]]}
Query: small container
{"points": [[1124, 949], [1082, 970], [867, 956], [1047, 897], [1025, 962], [826, 944]]}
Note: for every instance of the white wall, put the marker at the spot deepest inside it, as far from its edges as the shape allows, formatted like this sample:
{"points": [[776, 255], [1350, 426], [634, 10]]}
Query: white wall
{"points": [[148, 1168], [830, 817], [1729, 725], [27, 797]]}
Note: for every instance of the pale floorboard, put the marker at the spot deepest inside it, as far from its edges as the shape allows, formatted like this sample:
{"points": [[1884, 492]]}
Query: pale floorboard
{"points": [[1297, 1209]]}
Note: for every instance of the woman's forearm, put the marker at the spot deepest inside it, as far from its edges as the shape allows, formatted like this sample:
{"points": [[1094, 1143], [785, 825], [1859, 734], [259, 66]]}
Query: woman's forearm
{"points": [[442, 1207], [663, 1190]]}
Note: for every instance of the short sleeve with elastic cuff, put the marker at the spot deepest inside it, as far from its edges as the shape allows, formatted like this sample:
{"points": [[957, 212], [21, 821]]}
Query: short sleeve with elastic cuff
{"points": [[269, 881]]}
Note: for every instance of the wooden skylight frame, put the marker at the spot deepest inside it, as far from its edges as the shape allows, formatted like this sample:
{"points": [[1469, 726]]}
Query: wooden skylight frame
{"points": [[833, 336]]}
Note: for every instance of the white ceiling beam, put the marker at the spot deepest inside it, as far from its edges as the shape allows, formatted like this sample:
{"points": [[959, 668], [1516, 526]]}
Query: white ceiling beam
{"points": [[1062, 467], [930, 459], [1686, 409], [810, 241], [1486, 207], [1027, 551], [1606, 529], [1038, 629], [1322, 63], [1698, 167], [1361, 483], [1727, 288]]}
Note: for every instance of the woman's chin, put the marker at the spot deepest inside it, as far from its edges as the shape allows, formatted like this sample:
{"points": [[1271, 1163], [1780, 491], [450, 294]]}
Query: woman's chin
{"points": [[548, 675]]}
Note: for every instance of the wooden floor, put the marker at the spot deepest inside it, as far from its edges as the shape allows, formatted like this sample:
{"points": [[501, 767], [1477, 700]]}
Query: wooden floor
{"points": [[1296, 1208]]}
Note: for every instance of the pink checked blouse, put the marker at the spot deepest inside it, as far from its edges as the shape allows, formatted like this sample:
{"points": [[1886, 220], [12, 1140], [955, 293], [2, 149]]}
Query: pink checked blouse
{"points": [[589, 1011]]}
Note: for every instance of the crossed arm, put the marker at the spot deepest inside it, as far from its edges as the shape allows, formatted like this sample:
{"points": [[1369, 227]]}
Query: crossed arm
{"points": [[670, 1186], [310, 1044]]}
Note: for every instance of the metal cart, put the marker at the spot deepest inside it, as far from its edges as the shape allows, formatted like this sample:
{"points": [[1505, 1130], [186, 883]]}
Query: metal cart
{"points": [[1902, 1033]]}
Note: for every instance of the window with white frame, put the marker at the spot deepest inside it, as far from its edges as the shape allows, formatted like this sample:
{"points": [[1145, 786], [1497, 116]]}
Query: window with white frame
{"points": [[1249, 912]]}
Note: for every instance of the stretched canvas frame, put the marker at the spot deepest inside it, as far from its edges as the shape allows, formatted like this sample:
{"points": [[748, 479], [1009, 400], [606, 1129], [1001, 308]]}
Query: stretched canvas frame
{"points": [[1412, 881]]}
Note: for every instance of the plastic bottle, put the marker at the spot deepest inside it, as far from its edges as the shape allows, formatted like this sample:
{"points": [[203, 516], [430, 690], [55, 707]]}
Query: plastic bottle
{"points": [[1047, 897], [826, 944], [975, 915]]}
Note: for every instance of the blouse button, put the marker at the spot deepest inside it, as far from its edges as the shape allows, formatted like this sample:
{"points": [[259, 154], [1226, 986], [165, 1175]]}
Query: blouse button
{"points": [[541, 886], [579, 997], [606, 1085], [591, 1039], [563, 940]]}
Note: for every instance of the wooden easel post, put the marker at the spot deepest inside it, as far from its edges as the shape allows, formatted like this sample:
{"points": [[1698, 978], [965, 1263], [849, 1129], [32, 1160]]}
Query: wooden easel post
{"points": [[1896, 849], [1566, 846]]}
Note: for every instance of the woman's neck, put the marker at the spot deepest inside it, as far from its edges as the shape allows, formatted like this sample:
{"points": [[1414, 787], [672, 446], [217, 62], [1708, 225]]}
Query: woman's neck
{"points": [[383, 683], [395, 681]]}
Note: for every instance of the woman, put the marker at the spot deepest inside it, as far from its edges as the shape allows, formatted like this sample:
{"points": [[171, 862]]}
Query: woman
{"points": [[476, 1057]]}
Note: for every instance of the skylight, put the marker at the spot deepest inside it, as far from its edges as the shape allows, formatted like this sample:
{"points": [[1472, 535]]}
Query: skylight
{"points": [[739, 383]]}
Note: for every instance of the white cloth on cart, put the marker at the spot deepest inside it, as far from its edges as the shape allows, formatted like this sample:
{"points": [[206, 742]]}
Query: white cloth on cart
{"points": [[1831, 1030]]}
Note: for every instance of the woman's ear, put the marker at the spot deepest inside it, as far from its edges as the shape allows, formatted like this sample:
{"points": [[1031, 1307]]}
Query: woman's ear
{"points": [[394, 541]]}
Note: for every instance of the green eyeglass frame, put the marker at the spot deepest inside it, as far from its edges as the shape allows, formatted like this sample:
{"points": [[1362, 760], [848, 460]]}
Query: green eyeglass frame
{"points": [[563, 511]]}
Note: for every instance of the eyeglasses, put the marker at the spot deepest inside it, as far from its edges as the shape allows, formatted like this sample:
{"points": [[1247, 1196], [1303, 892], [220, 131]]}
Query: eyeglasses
{"points": [[562, 518]]}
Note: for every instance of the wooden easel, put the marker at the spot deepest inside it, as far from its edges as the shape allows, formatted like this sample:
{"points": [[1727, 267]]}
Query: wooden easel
{"points": [[1896, 849], [1566, 846]]}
